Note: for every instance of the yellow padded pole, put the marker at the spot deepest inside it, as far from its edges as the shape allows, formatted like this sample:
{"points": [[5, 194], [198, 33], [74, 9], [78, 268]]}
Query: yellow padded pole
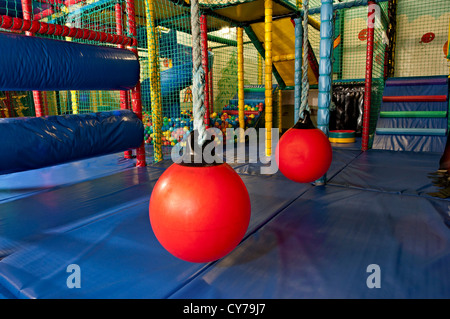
{"points": [[74, 99], [73, 94], [280, 107], [155, 80], [268, 5], [240, 74], [260, 70], [284, 57]]}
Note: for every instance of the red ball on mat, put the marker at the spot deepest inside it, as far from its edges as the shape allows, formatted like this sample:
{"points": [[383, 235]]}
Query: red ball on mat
{"points": [[199, 214], [303, 155]]}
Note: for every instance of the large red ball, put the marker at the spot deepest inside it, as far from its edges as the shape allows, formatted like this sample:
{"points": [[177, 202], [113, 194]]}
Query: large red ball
{"points": [[304, 155], [199, 214]]}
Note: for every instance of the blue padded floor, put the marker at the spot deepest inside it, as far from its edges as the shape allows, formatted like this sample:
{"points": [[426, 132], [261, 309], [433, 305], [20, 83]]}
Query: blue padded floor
{"points": [[303, 241]]}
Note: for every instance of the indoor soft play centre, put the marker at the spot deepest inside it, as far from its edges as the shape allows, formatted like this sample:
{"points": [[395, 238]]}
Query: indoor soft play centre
{"points": [[349, 100]]}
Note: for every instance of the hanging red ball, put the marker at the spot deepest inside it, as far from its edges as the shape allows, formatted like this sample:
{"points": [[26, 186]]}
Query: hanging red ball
{"points": [[199, 214], [303, 155]]}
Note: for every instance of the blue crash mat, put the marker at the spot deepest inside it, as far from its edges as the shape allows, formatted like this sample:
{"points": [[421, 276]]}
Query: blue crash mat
{"points": [[302, 242], [113, 241], [321, 245], [389, 171], [40, 216], [21, 184], [341, 157]]}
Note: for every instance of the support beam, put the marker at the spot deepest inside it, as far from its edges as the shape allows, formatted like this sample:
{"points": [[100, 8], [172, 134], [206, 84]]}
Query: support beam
{"points": [[268, 5], [325, 70], [136, 91], [240, 57], [123, 94], [155, 79], [368, 79]]}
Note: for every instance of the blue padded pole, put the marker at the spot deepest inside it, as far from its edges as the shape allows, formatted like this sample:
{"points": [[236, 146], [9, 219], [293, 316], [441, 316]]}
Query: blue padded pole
{"points": [[33, 63], [325, 69], [298, 68], [35, 142]]}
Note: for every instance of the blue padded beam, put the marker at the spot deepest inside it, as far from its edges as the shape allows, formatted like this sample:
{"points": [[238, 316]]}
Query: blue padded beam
{"points": [[32, 63], [35, 142], [412, 131]]}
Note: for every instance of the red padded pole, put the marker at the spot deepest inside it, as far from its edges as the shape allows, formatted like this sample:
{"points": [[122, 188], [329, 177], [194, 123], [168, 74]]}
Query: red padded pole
{"points": [[136, 91], [368, 78], [123, 94]]}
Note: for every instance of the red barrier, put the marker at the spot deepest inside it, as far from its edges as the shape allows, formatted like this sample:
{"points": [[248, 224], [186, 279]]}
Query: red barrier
{"points": [[415, 98], [17, 24]]}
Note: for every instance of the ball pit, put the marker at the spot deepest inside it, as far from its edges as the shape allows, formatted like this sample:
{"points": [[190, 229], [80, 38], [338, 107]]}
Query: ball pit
{"points": [[174, 129]]}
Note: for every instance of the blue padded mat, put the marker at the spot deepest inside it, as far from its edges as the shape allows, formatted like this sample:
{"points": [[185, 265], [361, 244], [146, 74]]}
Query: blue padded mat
{"points": [[321, 244], [302, 242], [117, 242], [410, 143], [408, 122], [39, 216], [436, 89], [390, 171], [21, 184]]}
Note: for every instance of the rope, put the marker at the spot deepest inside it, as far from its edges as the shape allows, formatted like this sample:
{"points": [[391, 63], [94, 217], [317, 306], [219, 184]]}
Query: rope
{"points": [[305, 81], [198, 82]]}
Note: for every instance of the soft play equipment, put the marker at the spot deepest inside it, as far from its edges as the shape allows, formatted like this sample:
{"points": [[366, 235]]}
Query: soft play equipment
{"points": [[14, 8], [52, 65], [173, 80], [413, 115], [30, 143], [304, 152]]}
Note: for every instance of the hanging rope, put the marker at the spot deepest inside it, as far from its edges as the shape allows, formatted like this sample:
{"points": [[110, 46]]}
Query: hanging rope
{"points": [[198, 82], [305, 82]]}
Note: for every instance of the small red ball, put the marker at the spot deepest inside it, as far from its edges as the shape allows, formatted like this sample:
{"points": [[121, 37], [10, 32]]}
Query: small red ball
{"points": [[303, 155], [199, 214]]}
